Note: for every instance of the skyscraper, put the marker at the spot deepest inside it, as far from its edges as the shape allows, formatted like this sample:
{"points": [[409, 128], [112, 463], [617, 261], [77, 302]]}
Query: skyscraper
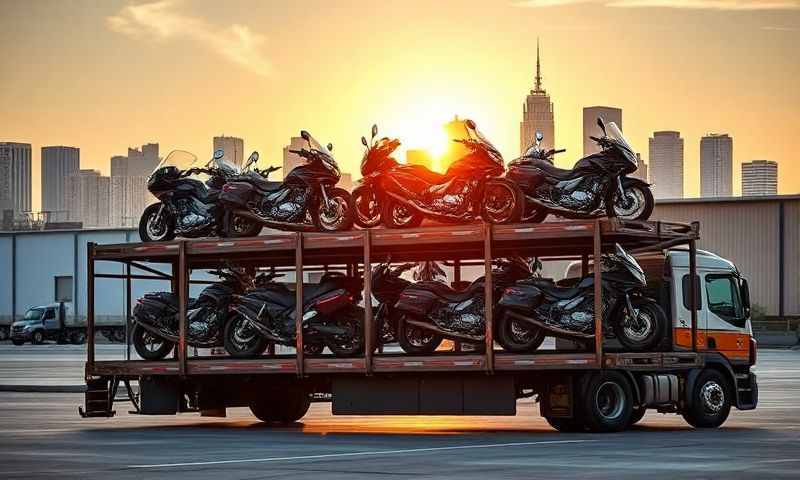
{"points": [[88, 198], [128, 195], [15, 177], [641, 171], [716, 165], [537, 114], [760, 177], [58, 163], [291, 160], [141, 163], [455, 129], [666, 164], [232, 147], [590, 128]]}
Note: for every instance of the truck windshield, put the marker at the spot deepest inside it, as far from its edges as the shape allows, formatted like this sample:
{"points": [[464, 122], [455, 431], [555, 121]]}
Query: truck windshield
{"points": [[34, 314]]}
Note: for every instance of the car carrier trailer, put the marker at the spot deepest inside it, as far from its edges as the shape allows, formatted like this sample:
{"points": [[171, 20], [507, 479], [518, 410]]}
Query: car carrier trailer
{"points": [[597, 388]]}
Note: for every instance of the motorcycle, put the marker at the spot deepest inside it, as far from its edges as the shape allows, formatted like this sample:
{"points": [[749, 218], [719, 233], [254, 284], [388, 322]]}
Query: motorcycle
{"points": [[430, 310], [266, 315], [305, 200], [155, 316], [597, 185], [186, 206], [401, 196], [539, 306]]}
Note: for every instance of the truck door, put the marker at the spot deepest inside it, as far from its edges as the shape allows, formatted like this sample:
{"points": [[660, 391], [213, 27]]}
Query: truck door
{"points": [[50, 320], [681, 306], [726, 328]]}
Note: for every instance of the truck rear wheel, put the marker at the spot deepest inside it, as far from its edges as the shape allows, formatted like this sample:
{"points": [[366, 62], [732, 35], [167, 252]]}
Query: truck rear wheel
{"points": [[567, 425], [37, 338], [78, 337], [607, 402], [710, 401], [282, 408]]}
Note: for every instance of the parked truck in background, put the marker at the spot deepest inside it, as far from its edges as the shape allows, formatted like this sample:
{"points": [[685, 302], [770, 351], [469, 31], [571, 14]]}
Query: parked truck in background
{"points": [[57, 322]]}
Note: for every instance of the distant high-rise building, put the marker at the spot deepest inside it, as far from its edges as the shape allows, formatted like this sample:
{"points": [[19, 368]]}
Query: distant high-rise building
{"points": [[291, 160], [666, 164], [141, 163], [716, 165], [15, 177], [419, 157], [58, 163], [128, 195], [641, 171], [233, 148], [590, 128], [760, 177], [119, 166], [88, 198], [455, 129], [537, 114]]}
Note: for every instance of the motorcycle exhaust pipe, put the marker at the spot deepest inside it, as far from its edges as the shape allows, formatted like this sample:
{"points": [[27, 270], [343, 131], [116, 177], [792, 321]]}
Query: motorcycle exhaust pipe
{"points": [[297, 227], [430, 213], [262, 330], [435, 329], [559, 332], [556, 209]]}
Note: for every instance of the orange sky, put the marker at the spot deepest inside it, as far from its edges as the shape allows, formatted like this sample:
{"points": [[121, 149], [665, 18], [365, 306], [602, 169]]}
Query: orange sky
{"points": [[107, 75]]}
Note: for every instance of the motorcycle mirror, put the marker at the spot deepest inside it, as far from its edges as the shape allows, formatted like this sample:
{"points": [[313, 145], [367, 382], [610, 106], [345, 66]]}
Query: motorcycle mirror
{"points": [[305, 135], [374, 131], [364, 142], [219, 154], [330, 147], [470, 124], [601, 124], [253, 158], [539, 136]]}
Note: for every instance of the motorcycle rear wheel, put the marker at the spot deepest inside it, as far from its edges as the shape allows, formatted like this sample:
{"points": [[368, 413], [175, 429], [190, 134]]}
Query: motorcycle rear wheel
{"points": [[243, 227], [148, 345], [415, 340], [514, 336], [336, 218], [396, 214], [154, 229], [347, 347], [366, 207], [502, 202], [242, 340]]}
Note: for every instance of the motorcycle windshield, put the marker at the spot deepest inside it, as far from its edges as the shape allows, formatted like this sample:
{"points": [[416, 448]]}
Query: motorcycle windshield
{"points": [[615, 135], [377, 154], [631, 264], [180, 159], [476, 134], [325, 155], [227, 167]]}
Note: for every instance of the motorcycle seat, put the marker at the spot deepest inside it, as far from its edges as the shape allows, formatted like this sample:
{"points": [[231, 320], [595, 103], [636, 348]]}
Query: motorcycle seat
{"points": [[563, 293], [264, 185], [445, 291], [551, 170]]}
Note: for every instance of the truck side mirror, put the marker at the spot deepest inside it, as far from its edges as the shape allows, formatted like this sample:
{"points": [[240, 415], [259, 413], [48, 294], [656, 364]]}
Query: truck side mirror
{"points": [[744, 291]]}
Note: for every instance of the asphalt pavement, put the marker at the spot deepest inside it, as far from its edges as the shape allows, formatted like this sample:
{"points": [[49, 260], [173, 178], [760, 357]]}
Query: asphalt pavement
{"points": [[43, 437]]}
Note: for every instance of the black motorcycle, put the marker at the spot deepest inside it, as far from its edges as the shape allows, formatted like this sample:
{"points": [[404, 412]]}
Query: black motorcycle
{"points": [[188, 207], [306, 200], [597, 185], [538, 305], [155, 316], [266, 315], [401, 196], [431, 310]]}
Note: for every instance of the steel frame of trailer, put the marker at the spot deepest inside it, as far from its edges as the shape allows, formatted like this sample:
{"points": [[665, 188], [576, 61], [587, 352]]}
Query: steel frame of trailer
{"points": [[569, 239]]}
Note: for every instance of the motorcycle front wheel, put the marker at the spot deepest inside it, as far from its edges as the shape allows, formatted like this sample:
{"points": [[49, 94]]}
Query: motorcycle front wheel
{"points": [[242, 340], [396, 214], [353, 342], [415, 340], [637, 204], [503, 202], [148, 345], [518, 337], [154, 227], [336, 215], [645, 332], [366, 207]]}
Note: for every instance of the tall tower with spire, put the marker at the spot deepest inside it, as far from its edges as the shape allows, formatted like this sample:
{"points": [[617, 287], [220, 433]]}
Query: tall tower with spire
{"points": [[537, 113]]}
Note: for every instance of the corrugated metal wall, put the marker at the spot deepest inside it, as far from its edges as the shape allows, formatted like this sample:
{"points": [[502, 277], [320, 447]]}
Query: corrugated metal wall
{"points": [[746, 232]]}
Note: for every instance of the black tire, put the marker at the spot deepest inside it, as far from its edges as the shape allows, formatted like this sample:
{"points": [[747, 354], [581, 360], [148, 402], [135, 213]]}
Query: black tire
{"points": [[710, 401], [313, 349], [517, 337], [242, 340], [637, 415], [353, 320], [78, 337], [396, 214], [334, 221], [607, 402], [647, 332], [243, 227], [37, 338], [532, 215], [639, 211], [415, 340], [366, 207], [503, 202], [18, 342], [156, 231], [282, 407], [566, 425], [4, 334], [148, 346]]}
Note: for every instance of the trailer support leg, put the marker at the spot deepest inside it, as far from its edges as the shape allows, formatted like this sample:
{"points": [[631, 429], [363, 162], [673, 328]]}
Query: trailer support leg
{"points": [[183, 298], [598, 292], [298, 311]]}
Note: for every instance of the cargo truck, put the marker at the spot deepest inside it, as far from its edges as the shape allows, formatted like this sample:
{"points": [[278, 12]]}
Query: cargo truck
{"points": [[56, 322], [702, 371]]}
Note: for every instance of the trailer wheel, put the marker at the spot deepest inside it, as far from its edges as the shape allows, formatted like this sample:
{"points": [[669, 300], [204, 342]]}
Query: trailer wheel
{"points": [[37, 338], [607, 402], [17, 342], [566, 425], [282, 408], [148, 346], [78, 337], [710, 401], [637, 415]]}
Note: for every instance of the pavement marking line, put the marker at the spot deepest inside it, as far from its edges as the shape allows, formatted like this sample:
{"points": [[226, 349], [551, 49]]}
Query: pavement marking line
{"points": [[358, 454]]}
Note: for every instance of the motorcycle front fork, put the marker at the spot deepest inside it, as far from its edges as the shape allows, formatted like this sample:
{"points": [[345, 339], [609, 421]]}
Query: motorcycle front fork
{"points": [[325, 196]]}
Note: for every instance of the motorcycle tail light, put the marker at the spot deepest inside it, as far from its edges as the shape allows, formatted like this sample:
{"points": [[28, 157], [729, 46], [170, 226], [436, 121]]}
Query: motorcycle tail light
{"points": [[228, 187]]}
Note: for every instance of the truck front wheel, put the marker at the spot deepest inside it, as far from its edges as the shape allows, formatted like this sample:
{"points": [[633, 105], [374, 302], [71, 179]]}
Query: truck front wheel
{"points": [[37, 338], [607, 402], [710, 401]]}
